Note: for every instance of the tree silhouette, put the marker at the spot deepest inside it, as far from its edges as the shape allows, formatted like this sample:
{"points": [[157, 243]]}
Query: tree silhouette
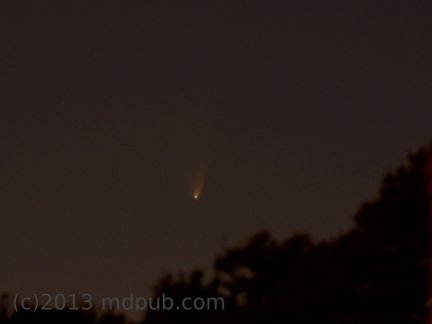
{"points": [[376, 272]]}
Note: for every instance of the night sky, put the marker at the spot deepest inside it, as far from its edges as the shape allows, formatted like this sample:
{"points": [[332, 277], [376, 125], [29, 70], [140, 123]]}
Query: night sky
{"points": [[285, 115]]}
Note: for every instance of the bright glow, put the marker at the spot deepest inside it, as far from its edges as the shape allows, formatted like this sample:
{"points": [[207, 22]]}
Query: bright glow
{"points": [[198, 177], [198, 181]]}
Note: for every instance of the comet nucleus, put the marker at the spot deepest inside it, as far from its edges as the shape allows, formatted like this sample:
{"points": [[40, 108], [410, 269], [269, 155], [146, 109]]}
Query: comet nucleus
{"points": [[198, 180]]}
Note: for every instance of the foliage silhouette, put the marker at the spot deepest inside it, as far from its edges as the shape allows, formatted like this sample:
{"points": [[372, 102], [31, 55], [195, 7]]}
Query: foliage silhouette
{"points": [[377, 272]]}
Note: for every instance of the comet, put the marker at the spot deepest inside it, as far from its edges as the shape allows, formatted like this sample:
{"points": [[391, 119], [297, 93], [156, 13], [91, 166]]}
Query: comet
{"points": [[198, 181], [197, 189]]}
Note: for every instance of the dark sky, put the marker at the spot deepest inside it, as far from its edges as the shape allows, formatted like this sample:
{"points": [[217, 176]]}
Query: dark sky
{"points": [[109, 113]]}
